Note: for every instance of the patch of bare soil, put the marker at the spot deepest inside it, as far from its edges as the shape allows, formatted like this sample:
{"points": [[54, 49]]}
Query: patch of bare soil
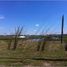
{"points": [[46, 64], [2, 66]]}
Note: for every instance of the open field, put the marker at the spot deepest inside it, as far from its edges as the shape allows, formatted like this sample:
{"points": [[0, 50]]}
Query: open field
{"points": [[26, 54]]}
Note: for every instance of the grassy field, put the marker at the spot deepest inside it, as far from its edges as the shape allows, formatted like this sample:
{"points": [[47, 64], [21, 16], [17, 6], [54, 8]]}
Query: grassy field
{"points": [[24, 54]]}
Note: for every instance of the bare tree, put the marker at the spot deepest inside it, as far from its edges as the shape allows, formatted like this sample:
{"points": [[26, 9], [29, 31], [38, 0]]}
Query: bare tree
{"points": [[9, 44], [41, 43], [10, 41], [18, 33]]}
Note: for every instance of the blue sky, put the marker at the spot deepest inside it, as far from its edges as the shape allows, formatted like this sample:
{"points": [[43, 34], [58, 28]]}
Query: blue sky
{"points": [[34, 16]]}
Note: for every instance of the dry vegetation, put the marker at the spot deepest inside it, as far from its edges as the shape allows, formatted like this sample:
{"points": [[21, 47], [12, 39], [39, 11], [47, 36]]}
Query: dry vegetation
{"points": [[27, 50]]}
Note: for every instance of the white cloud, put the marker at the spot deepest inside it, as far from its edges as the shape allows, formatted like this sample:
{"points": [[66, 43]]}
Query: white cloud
{"points": [[37, 25], [2, 17]]}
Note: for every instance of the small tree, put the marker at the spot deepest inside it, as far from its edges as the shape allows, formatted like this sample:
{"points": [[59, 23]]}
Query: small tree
{"points": [[9, 44], [41, 42], [39, 45], [18, 33]]}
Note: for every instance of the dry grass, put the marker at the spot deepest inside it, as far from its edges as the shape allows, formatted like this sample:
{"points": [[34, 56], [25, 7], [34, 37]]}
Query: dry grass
{"points": [[28, 50]]}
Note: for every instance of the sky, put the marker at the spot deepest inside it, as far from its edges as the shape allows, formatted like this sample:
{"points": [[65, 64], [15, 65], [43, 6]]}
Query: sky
{"points": [[36, 17]]}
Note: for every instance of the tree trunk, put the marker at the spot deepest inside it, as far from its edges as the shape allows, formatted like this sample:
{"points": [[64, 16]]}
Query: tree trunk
{"points": [[9, 44]]}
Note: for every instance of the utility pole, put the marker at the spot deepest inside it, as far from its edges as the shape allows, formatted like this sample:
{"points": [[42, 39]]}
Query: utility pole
{"points": [[62, 26]]}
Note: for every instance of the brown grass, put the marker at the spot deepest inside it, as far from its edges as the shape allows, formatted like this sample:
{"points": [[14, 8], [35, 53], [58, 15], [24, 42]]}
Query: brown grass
{"points": [[28, 50]]}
